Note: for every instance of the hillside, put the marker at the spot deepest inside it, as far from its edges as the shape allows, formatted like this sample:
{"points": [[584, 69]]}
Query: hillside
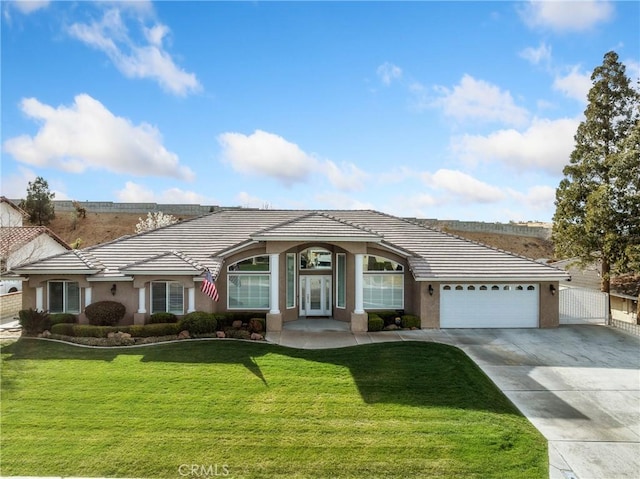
{"points": [[99, 228]]}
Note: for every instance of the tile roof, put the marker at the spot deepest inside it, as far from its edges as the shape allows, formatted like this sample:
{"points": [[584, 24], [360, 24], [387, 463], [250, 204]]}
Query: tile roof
{"points": [[206, 240], [14, 237]]}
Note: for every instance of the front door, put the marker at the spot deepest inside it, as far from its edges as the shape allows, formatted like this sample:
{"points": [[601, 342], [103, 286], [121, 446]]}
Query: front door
{"points": [[315, 295]]}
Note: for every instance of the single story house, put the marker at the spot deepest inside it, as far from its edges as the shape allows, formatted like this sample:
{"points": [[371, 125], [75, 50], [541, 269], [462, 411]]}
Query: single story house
{"points": [[290, 264]]}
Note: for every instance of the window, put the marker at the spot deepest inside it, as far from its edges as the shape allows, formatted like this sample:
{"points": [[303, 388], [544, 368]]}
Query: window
{"points": [[316, 258], [341, 280], [167, 297], [383, 285], [447, 288], [248, 287], [64, 297], [377, 263], [291, 280]]}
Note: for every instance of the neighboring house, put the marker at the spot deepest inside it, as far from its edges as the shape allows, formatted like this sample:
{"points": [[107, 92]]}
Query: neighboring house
{"points": [[20, 244], [624, 292], [291, 264], [10, 214]]}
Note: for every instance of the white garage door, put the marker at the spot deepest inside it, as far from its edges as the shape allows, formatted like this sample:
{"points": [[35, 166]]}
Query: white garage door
{"points": [[489, 305]]}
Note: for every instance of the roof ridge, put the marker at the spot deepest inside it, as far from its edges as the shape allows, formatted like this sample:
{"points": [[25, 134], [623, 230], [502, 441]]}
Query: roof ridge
{"points": [[350, 223]]}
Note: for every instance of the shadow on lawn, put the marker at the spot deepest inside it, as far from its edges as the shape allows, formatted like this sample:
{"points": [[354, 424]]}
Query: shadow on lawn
{"points": [[410, 373]]}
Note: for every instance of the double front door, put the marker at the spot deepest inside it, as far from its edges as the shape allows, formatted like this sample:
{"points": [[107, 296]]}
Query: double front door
{"points": [[315, 295]]}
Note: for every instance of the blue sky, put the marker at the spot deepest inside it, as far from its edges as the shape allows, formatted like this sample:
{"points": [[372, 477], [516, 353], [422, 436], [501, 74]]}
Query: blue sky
{"points": [[450, 110]]}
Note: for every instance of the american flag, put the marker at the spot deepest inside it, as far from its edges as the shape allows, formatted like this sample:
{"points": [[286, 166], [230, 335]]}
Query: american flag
{"points": [[209, 286]]}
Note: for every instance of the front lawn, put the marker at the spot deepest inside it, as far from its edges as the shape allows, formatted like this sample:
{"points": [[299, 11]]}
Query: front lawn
{"points": [[239, 409]]}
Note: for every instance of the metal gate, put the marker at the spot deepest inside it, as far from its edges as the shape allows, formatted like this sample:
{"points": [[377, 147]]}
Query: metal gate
{"points": [[578, 305]]}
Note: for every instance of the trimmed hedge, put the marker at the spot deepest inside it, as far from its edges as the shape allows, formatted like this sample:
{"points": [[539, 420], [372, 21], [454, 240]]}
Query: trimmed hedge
{"points": [[63, 329], [156, 318], [105, 313], [375, 322], [137, 331], [199, 322], [411, 321], [58, 318], [151, 330]]}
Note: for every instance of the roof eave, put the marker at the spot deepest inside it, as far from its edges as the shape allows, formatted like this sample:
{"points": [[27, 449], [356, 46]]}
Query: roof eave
{"points": [[487, 279]]}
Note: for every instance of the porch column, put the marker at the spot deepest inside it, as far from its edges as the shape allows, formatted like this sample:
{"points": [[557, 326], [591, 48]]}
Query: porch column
{"points": [[142, 293], [87, 296], [274, 286], [192, 300], [141, 316], [40, 298], [359, 307]]}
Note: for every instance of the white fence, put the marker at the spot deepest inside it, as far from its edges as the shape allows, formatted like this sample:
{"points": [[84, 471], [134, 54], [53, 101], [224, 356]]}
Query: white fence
{"points": [[579, 305]]}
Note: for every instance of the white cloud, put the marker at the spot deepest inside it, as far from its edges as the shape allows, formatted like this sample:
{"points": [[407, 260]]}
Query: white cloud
{"points": [[332, 200], [29, 6], [566, 16], [347, 177], [150, 60], [14, 186], [136, 193], [479, 100], [574, 85], [87, 135], [263, 153], [249, 201], [387, 72], [536, 56], [546, 144], [462, 186], [536, 198]]}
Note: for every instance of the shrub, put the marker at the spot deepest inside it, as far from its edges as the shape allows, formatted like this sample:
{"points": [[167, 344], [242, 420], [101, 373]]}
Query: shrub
{"points": [[162, 318], [256, 325], [58, 318], [410, 321], [375, 323], [237, 333], [64, 329], [91, 331], [33, 322], [151, 330], [199, 322], [105, 313]]}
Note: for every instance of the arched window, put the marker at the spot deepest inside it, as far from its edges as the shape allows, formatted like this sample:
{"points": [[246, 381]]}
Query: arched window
{"points": [[531, 288], [495, 288], [248, 283], [483, 288], [471, 288], [459, 288], [316, 258], [447, 288], [383, 283]]}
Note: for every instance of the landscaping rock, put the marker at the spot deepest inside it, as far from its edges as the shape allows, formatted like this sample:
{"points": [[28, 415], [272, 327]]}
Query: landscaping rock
{"points": [[184, 334], [44, 334], [111, 335], [257, 337], [124, 335], [237, 324], [220, 334], [391, 327]]}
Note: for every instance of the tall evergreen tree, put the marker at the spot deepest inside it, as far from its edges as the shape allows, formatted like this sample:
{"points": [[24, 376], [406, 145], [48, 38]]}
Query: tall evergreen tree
{"points": [[38, 204], [598, 201]]}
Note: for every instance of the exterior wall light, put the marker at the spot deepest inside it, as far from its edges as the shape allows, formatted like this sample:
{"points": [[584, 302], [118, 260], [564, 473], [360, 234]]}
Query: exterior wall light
{"points": [[552, 289], [430, 290], [113, 289]]}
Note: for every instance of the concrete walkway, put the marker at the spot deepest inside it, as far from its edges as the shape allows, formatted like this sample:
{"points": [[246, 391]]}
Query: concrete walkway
{"points": [[579, 385]]}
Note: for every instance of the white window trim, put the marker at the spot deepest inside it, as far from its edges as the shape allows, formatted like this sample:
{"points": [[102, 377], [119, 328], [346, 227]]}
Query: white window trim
{"points": [[294, 301], [344, 280], [65, 299], [167, 297]]}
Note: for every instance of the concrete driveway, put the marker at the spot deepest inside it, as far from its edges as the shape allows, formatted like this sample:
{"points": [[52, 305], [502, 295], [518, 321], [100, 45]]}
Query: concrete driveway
{"points": [[578, 385]]}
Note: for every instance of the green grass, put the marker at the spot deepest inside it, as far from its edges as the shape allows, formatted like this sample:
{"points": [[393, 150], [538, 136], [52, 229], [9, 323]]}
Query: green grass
{"points": [[258, 410]]}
